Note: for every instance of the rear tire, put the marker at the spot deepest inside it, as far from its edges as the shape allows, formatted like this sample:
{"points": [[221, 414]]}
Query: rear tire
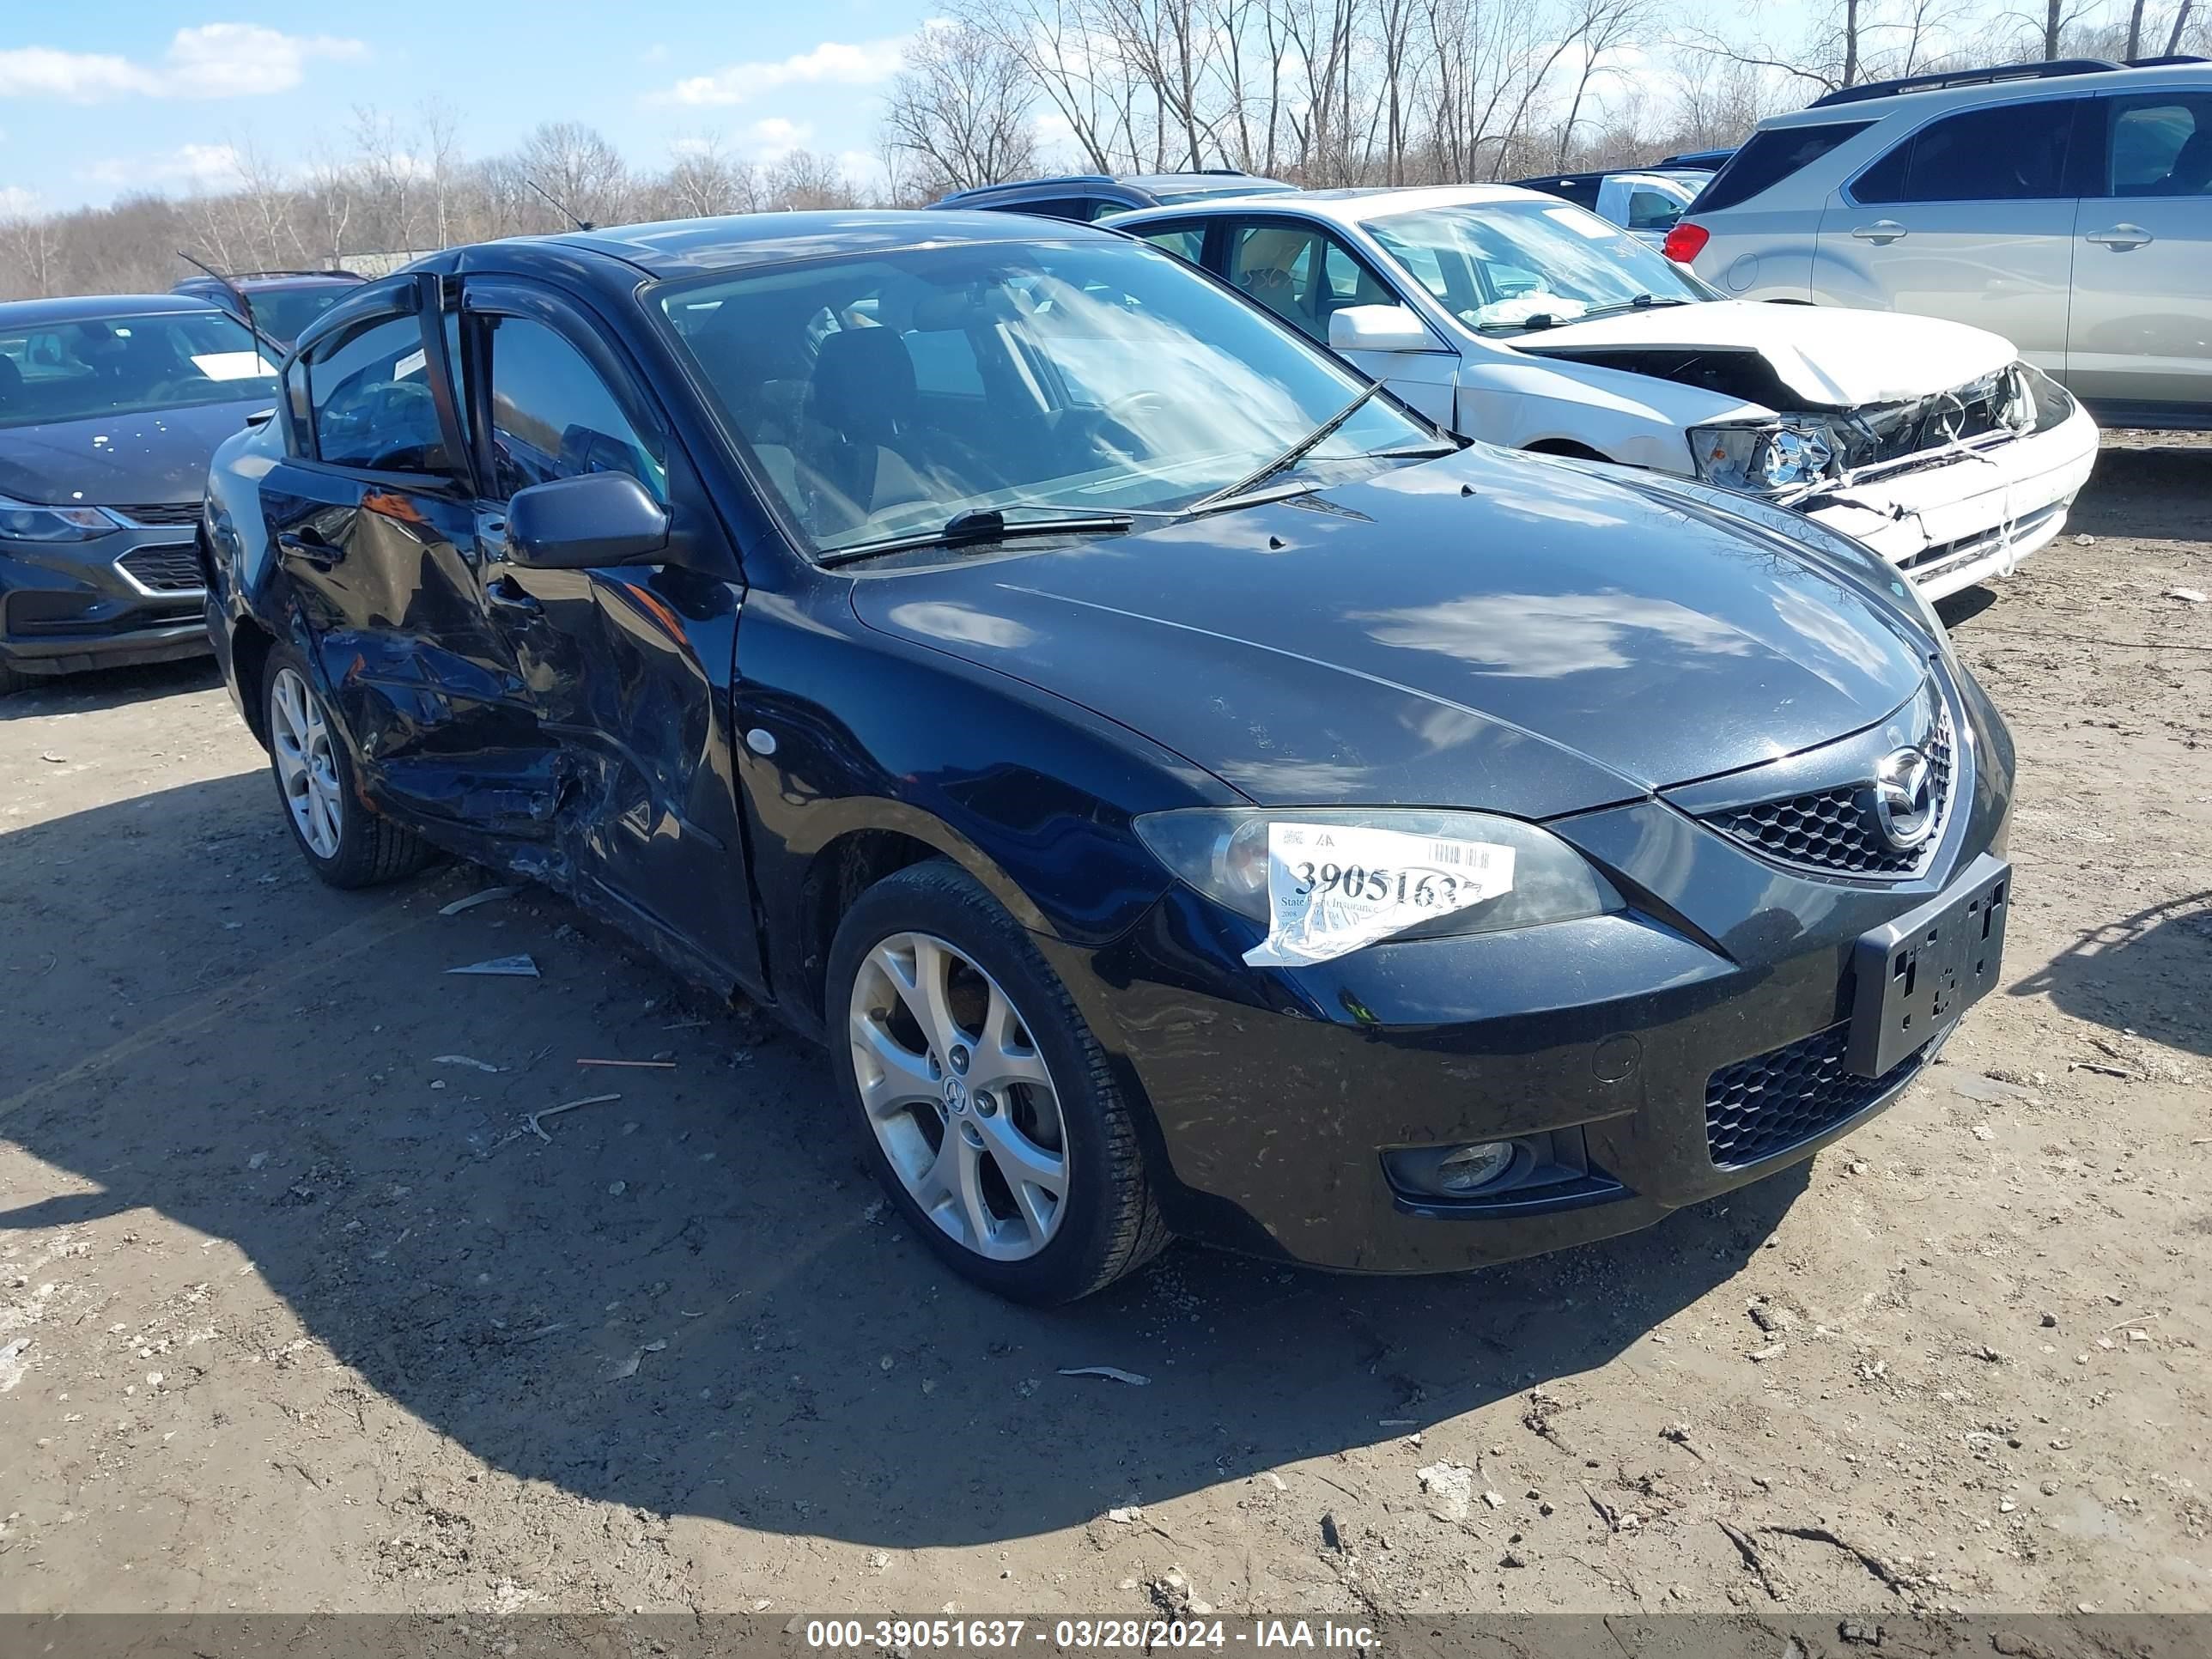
{"points": [[343, 842], [987, 1108]]}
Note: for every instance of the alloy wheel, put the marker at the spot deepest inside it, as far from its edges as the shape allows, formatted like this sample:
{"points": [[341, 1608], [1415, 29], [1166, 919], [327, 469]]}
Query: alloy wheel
{"points": [[958, 1098], [300, 738]]}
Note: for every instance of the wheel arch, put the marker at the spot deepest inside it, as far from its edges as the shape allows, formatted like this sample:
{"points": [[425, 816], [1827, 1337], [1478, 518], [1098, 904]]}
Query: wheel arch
{"points": [[875, 839], [250, 647]]}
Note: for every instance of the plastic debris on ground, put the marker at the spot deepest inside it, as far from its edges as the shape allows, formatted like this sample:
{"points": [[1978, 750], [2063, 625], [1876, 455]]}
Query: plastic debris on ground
{"points": [[502, 967], [537, 1129], [1112, 1373], [474, 899]]}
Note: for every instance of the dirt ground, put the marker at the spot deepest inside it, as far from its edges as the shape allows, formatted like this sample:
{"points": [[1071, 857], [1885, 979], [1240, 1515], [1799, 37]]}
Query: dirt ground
{"points": [[296, 1314]]}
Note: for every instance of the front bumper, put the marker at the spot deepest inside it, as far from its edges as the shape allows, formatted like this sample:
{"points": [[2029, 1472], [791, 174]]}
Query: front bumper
{"points": [[131, 596], [1272, 1096], [1972, 519]]}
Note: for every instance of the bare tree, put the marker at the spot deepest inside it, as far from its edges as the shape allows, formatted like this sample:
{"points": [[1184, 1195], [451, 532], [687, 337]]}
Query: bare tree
{"points": [[959, 108], [579, 169], [31, 243], [1601, 27], [705, 181], [437, 153]]}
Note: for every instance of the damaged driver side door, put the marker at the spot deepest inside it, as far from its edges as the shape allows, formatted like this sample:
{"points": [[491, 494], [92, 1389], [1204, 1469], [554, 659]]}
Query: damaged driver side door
{"points": [[625, 669]]}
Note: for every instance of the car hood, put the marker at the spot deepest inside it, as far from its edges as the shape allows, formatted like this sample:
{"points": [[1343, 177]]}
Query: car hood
{"points": [[1487, 630], [1826, 356], [159, 456]]}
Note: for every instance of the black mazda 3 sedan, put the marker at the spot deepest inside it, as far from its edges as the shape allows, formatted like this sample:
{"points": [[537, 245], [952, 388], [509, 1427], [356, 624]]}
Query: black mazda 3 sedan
{"points": [[1186, 793], [109, 410]]}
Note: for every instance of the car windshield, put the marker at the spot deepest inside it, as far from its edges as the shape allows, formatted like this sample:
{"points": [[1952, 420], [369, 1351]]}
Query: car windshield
{"points": [[97, 367], [882, 396], [284, 313], [1508, 267]]}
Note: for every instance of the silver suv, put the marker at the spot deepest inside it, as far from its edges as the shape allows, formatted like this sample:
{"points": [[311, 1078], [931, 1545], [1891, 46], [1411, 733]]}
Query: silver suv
{"points": [[2066, 206]]}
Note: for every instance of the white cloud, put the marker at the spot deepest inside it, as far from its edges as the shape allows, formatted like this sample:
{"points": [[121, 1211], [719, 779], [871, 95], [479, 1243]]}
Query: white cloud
{"points": [[18, 201], [217, 60], [773, 137], [833, 62], [204, 166]]}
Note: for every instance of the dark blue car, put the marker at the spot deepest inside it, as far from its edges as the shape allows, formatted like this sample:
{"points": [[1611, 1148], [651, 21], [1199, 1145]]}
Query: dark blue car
{"points": [[109, 407], [1186, 792]]}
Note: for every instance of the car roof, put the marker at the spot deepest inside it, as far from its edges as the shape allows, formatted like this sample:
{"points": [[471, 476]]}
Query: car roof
{"points": [[1908, 105], [1232, 183], [266, 279], [1352, 204], [681, 247], [1147, 183], [90, 307]]}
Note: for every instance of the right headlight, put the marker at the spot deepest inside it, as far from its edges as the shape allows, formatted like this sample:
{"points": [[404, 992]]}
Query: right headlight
{"points": [[1765, 459], [1326, 881]]}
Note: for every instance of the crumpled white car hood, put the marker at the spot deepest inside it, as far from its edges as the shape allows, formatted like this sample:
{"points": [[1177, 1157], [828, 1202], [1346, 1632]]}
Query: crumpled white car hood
{"points": [[1831, 357]]}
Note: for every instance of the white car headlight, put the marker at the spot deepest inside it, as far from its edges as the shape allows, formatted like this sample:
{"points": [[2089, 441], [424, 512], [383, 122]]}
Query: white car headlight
{"points": [[1763, 459], [1394, 872], [33, 521]]}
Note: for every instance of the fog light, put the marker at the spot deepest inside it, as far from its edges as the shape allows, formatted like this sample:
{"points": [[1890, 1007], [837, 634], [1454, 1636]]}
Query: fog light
{"points": [[1465, 1168]]}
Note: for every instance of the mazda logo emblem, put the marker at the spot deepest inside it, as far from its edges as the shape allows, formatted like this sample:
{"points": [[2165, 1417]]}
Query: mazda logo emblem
{"points": [[1902, 799]]}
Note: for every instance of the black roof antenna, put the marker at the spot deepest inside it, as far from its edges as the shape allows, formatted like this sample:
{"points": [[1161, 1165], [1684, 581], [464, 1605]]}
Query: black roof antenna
{"points": [[244, 305], [557, 205]]}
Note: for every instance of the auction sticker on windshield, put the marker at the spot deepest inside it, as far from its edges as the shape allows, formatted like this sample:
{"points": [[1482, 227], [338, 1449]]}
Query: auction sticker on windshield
{"points": [[1333, 888]]}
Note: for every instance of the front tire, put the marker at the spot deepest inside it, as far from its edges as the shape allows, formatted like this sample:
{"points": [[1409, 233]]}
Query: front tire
{"points": [[986, 1106], [345, 843]]}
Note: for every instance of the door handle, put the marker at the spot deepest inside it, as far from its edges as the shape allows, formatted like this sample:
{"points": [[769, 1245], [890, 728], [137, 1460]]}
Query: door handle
{"points": [[504, 594], [308, 546], [1882, 232], [2120, 238]]}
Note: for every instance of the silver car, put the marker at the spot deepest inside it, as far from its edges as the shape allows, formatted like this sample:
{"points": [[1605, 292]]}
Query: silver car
{"points": [[2065, 206]]}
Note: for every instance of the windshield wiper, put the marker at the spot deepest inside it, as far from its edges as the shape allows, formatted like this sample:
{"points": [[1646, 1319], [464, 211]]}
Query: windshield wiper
{"points": [[1641, 302], [1232, 493], [987, 523]]}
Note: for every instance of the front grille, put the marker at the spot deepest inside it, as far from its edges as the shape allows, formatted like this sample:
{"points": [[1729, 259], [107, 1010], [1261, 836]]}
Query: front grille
{"points": [[171, 569], [1829, 832], [159, 512], [1764, 1105]]}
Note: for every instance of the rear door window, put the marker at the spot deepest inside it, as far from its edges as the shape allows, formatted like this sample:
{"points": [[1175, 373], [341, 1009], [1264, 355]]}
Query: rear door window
{"points": [[1767, 158], [369, 390], [1186, 242], [2010, 153], [2160, 144], [1301, 274]]}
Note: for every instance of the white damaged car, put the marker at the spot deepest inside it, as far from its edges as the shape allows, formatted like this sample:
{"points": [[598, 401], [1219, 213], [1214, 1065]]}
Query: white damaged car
{"points": [[1525, 321]]}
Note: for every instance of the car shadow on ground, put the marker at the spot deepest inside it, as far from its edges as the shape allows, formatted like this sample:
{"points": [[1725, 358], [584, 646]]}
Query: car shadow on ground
{"points": [[2141, 492], [108, 688], [2145, 973], [690, 1300]]}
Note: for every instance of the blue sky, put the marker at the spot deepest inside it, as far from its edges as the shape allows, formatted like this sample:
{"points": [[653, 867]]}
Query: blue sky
{"points": [[97, 97]]}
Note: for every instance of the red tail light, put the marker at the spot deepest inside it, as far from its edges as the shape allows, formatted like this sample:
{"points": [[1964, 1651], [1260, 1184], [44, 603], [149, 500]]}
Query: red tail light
{"points": [[1685, 242]]}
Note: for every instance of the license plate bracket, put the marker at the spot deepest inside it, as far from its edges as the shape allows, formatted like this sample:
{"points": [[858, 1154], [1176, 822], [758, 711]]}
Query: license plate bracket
{"points": [[1917, 975]]}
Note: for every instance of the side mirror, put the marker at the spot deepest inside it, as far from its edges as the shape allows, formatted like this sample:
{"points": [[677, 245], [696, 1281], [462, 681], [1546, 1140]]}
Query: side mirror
{"points": [[572, 524], [1379, 328]]}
